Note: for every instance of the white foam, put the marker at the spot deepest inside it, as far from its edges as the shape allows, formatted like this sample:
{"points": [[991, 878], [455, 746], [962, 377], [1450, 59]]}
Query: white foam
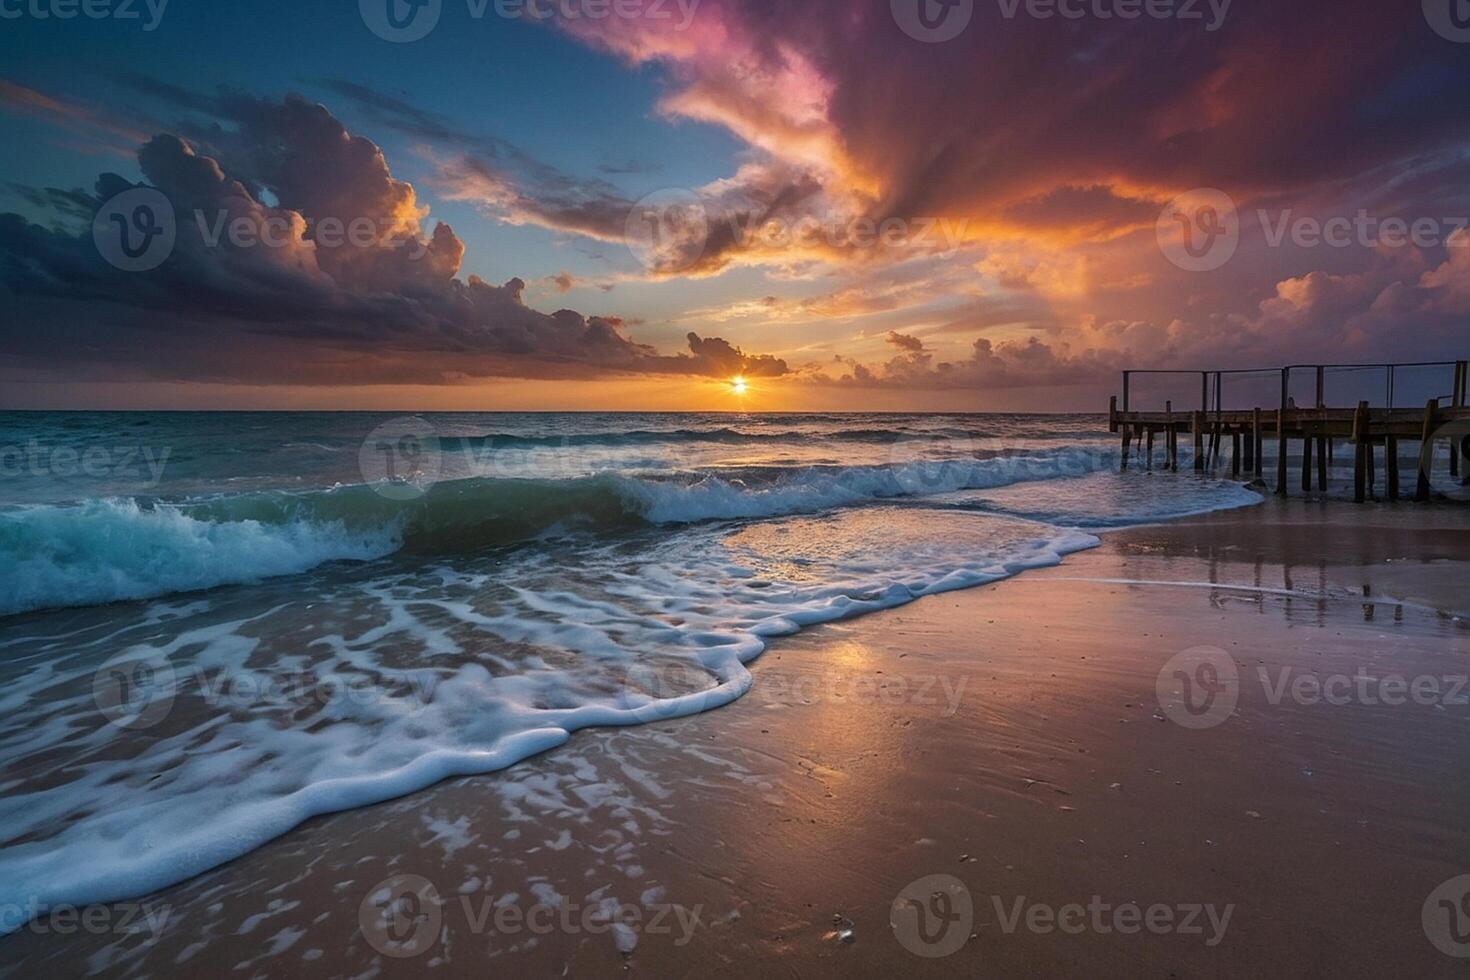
{"points": [[186, 799], [474, 665], [115, 549], [812, 490], [107, 550]]}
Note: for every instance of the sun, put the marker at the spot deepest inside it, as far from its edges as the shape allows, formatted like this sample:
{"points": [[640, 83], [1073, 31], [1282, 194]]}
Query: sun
{"points": [[738, 386]]}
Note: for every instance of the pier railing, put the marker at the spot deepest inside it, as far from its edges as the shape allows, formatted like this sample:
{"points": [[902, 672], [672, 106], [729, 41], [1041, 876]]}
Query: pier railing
{"points": [[1366, 424], [1212, 383]]}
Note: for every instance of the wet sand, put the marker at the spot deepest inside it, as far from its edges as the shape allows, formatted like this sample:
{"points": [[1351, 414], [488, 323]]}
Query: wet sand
{"points": [[1011, 737]]}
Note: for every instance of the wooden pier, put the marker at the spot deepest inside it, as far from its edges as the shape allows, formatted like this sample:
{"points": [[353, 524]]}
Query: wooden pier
{"points": [[1442, 422]]}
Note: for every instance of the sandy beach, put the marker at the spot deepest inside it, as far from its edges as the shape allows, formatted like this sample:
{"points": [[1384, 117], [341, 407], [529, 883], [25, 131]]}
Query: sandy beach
{"points": [[1011, 737], [747, 488]]}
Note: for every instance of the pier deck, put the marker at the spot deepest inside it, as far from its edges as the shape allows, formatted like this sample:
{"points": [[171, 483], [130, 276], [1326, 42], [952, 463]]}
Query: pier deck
{"points": [[1441, 424]]}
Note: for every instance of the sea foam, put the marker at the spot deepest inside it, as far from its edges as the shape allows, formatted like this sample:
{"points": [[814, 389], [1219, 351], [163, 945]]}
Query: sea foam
{"points": [[119, 549]]}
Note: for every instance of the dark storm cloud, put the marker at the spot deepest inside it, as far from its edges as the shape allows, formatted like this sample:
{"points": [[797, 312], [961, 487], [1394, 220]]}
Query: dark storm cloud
{"points": [[309, 306]]}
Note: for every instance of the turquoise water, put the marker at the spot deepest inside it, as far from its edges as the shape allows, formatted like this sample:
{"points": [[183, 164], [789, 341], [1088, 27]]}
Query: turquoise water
{"points": [[214, 626]]}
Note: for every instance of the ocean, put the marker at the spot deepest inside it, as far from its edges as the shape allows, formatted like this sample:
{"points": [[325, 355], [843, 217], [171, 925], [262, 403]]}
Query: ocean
{"points": [[214, 626]]}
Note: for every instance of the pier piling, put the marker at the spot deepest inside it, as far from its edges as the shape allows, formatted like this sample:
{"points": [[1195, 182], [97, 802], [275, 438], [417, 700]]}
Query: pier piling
{"points": [[1259, 439], [1360, 461], [1391, 465], [1318, 429], [1307, 464]]}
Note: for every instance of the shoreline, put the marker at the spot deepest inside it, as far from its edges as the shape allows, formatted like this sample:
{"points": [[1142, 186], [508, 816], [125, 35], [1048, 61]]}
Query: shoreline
{"points": [[672, 813]]}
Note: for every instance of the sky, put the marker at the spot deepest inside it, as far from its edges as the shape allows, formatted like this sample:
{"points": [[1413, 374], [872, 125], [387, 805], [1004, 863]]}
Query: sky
{"points": [[902, 205]]}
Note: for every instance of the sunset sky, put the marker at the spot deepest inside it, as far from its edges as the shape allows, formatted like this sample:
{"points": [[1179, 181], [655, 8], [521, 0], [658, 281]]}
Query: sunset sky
{"points": [[631, 211]]}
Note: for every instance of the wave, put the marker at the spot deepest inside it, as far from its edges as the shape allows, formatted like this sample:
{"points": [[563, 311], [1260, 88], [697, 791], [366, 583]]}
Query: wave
{"points": [[170, 815], [112, 550], [138, 548]]}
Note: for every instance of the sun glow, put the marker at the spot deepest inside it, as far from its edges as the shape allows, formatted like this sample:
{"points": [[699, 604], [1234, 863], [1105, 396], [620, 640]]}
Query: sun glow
{"points": [[738, 386]]}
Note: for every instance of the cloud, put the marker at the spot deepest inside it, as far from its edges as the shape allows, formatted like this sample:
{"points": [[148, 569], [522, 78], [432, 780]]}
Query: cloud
{"points": [[1366, 317], [100, 130], [309, 307], [1010, 364], [594, 212], [1058, 144], [715, 356], [1049, 146]]}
